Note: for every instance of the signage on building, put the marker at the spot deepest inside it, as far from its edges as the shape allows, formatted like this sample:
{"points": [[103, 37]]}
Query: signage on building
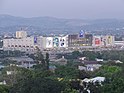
{"points": [[97, 41], [49, 42], [55, 42], [82, 34], [35, 40], [62, 41]]}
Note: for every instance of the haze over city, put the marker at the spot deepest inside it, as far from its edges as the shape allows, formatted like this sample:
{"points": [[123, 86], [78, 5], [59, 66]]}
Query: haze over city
{"points": [[79, 9]]}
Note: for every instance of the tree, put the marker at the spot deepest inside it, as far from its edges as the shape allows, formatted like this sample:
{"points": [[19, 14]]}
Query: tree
{"points": [[4, 89], [108, 71], [66, 72], [47, 61], [16, 75], [38, 85], [41, 60], [115, 86], [76, 54]]}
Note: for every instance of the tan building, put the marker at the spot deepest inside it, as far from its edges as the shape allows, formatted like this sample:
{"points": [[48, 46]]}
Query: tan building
{"points": [[21, 34]]}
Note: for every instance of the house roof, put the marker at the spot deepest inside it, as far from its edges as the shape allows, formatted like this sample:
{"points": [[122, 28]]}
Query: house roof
{"points": [[90, 62], [23, 58]]}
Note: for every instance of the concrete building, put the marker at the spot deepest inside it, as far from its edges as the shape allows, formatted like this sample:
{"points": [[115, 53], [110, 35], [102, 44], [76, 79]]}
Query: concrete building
{"points": [[103, 41], [51, 42], [21, 34], [77, 41], [27, 44], [89, 65]]}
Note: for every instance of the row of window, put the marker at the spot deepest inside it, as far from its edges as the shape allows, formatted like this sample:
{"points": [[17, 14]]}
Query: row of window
{"points": [[19, 46], [12, 48]]}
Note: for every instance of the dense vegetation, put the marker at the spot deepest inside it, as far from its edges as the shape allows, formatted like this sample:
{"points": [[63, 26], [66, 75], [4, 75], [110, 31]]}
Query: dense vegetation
{"points": [[91, 55], [65, 79]]}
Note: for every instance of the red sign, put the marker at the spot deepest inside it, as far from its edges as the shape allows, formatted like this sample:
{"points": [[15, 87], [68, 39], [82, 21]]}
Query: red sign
{"points": [[97, 41]]}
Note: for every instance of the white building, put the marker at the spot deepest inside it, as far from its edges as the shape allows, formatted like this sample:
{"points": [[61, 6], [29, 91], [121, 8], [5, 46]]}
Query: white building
{"points": [[119, 43], [51, 42], [27, 44]]}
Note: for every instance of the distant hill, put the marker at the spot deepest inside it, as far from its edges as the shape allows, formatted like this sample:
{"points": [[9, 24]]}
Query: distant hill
{"points": [[47, 25]]}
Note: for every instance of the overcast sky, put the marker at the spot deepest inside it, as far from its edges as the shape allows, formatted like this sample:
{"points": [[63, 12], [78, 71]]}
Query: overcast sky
{"points": [[83, 9]]}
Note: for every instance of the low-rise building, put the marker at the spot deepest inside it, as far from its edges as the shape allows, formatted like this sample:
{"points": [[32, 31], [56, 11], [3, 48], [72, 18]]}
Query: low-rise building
{"points": [[89, 65], [61, 61]]}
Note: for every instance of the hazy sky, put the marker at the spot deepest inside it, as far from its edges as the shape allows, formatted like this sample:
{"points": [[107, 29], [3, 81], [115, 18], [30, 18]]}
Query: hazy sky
{"points": [[83, 9]]}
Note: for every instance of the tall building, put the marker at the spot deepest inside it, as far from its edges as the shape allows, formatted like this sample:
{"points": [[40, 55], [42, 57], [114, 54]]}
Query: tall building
{"points": [[21, 34]]}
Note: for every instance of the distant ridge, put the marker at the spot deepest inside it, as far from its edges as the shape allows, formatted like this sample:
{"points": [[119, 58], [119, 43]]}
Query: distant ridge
{"points": [[46, 25]]}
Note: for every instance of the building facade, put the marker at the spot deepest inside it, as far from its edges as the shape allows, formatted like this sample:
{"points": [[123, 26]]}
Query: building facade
{"points": [[27, 44], [103, 41], [21, 34], [82, 40], [51, 42], [78, 41]]}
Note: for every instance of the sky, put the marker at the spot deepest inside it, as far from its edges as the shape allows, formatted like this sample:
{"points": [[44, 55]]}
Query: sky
{"points": [[79, 9]]}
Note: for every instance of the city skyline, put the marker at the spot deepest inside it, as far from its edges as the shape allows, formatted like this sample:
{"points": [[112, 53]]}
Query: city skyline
{"points": [[79, 9]]}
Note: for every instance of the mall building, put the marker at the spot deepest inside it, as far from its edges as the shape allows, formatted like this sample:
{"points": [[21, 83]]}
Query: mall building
{"points": [[82, 40], [21, 42]]}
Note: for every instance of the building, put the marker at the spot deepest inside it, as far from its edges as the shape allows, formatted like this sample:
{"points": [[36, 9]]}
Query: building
{"points": [[23, 61], [61, 61], [22, 44], [119, 43], [21, 34], [76, 40], [47, 42], [103, 41], [89, 65], [96, 41], [50, 42]]}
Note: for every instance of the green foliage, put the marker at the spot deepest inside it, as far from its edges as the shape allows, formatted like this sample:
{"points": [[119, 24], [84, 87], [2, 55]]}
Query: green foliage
{"points": [[115, 86], [43, 74], [76, 54], [91, 55], [42, 62], [68, 90], [42, 80], [4, 89], [84, 74], [108, 71], [66, 72], [16, 75], [37, 85], [39, 67], [47, 61]]}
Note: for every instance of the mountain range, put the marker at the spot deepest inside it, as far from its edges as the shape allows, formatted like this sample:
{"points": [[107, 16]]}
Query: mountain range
{"points": [[48, 25]]}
